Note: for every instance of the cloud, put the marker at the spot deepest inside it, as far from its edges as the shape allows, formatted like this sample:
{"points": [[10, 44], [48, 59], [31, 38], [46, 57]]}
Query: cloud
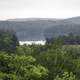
{"points": [[39, 8]]}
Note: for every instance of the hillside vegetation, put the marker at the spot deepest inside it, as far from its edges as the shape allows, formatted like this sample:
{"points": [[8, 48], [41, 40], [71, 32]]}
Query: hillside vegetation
{"points": [[53, 61]]}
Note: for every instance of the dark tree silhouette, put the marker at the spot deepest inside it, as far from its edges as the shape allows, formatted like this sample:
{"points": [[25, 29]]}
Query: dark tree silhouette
{"points": [[8, 40]]}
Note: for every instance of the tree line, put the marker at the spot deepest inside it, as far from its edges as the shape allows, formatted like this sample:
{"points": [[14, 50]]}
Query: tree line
{"points": [[66, 39]]}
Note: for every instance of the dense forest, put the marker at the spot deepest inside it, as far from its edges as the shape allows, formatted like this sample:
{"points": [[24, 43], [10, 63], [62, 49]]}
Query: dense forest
{"points": [[52, 61]]}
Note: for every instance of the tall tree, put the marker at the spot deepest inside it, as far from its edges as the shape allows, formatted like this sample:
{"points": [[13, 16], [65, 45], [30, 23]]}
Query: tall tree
{"points": [[8, 40]]}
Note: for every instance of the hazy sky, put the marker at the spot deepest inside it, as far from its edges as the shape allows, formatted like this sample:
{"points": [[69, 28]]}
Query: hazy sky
{"points": [[39, 8]]}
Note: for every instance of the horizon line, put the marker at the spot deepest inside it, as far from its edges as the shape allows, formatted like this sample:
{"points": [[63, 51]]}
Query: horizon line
{"points": [[38, 18]]}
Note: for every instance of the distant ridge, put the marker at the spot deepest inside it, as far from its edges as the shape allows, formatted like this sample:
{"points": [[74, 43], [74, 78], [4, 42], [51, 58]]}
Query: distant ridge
{"points": [[32, 19], [33, 29]]}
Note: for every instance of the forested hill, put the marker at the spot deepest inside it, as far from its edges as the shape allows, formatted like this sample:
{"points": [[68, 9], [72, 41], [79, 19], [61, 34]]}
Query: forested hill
{"points": [[40, 28]]}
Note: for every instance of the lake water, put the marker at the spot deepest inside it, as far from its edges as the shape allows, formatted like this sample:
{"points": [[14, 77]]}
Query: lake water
{"points": [[32, 42]]}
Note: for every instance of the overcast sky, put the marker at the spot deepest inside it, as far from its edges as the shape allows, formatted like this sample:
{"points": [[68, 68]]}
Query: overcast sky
{"points": [[39, 8]]}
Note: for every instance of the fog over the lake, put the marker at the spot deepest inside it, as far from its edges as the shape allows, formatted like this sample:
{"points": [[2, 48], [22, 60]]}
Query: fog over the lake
{"points": [[39, 8], [32, 42]]}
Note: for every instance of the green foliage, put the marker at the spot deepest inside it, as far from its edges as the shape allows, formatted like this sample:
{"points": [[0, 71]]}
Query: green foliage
{"points": [[38, 62], [16, 67], [55, 57], [66, 76]]}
